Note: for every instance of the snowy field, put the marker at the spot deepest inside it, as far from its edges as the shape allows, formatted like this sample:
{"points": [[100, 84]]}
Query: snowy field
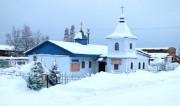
{"points": [[103, 89]]}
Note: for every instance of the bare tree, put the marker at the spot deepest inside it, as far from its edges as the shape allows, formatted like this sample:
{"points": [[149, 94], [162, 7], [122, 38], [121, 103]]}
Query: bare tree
{"points": [[24, 39], [13, 39], [39, 37], [27, 39]]}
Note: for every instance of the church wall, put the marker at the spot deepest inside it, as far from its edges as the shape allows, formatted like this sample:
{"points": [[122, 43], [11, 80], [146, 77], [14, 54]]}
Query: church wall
{"points": [[124, 66], [64, 63], [124, 46], [85, 70], [48, 60], [141, 60]]}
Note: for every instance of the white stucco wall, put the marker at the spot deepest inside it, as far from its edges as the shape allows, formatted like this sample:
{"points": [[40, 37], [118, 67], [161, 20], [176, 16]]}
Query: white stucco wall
{"points": [[142, 59], [64, 63], [86, 70], [124, 46], [48, 61]]}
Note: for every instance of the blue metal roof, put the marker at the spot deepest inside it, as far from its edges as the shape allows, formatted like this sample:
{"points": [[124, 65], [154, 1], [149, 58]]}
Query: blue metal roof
{"points": [[48, 47]]}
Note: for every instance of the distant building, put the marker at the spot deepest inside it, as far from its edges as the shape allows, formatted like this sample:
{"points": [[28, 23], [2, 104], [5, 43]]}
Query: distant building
{"points": [[7, 59], [163, 53]]}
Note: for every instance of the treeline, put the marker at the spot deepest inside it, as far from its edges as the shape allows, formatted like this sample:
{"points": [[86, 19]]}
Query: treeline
{"points": [[69, 34], [24, 39]]}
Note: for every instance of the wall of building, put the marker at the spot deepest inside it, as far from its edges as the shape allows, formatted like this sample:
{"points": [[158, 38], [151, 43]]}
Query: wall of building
{"points": [[124, 66], [124, 46], [65, 63], [142, 60]]}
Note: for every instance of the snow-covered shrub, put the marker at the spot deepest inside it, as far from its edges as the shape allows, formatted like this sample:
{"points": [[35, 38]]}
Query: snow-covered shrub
{"points": [[161, 65]]}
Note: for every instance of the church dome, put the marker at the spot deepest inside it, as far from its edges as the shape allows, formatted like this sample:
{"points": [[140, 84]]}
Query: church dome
{"points": [[122, 30]]}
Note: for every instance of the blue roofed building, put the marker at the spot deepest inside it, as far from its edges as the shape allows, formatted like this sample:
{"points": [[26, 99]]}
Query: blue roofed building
{"points": [[80, 57]]}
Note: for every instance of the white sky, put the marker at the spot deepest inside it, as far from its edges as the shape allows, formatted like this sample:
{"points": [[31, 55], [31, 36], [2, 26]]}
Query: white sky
{"points": [[156, 23]]}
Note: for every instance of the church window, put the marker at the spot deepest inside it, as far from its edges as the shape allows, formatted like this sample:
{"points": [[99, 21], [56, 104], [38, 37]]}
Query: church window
{"points": [[131, 65], [116, 46], [139, 65], [83, 64], [90, 64], [116, 66], [143, 65], [130, 46]]}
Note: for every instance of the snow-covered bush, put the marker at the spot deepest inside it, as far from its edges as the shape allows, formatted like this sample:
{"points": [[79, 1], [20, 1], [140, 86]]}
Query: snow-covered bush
{"points": [[161, 65]]}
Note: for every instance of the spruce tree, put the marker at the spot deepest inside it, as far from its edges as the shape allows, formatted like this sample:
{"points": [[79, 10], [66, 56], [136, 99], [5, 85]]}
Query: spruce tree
{"points": [[35, 81], [53, 75], [72, 33], [66, 35]]}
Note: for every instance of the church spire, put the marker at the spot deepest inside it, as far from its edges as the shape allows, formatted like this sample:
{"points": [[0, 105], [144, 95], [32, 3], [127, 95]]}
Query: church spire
{"points": [[81, 26], [122, 18]]}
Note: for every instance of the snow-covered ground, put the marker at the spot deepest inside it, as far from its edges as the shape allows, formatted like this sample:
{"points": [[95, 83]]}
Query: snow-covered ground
{"points": [[103, 89]]}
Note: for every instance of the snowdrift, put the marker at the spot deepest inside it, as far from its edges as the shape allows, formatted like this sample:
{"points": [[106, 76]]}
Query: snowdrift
{"points": [[141, 88]]}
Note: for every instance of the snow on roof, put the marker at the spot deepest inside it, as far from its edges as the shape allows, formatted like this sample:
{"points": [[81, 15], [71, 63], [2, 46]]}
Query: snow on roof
{"points": [[158, 55], [127, 55], [14, 58], [78, 48], [78, 36], [122, 31], [6, 47], [155, 48]]}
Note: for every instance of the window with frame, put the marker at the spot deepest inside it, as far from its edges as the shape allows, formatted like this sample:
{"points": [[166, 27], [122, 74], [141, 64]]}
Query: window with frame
{"points": [[116, 47], [139, 65], [143, 65], [90, 64], [130, 46], [131, 65], [116, 66], [83, 64], [75, 67]]}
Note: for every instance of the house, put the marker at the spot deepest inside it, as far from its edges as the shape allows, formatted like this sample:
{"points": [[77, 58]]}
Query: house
{"points": [[6, 59], [80, 57]]}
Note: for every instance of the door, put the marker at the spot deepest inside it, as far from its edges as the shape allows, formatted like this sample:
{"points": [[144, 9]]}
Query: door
{"points": [[102, 66]]}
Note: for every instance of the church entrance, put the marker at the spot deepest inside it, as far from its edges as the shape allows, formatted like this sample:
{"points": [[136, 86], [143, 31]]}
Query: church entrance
{"points": [[102, 66]]}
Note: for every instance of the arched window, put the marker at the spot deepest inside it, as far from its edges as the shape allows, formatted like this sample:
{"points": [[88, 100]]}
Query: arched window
{"points": [[130, 46], [139, 65], [116, 47], [90, 64], [131, 65], [83, 64], [143, 65]]}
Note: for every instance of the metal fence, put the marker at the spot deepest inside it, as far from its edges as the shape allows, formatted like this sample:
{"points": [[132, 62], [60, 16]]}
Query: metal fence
{"points": [[61, 78]]}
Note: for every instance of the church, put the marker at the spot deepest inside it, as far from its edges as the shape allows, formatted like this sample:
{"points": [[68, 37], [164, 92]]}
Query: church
{"points": [[80, 57]]}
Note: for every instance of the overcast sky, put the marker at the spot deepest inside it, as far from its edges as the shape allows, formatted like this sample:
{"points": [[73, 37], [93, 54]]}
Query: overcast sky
{"points": [[156, 23]]}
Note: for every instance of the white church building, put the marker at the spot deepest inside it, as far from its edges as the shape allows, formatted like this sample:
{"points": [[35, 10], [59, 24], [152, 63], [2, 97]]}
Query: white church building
{"points": [[79, 57]]}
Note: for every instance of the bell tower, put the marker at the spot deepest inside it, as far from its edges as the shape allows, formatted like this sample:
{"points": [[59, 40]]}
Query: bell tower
{"points": [[121, 48]]}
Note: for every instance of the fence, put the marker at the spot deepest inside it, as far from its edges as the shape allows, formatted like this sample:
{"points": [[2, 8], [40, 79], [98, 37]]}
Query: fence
{"points": [[61, 78], [64, 78]]}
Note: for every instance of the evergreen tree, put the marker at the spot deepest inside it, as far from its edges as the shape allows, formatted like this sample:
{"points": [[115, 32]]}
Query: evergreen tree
{"points": [[53, 75], [35, 81], [66, 35], [72, 33]]}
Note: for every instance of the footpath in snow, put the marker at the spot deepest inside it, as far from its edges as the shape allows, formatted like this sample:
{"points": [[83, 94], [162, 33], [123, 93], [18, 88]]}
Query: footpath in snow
{"points": [[134, 89]]}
